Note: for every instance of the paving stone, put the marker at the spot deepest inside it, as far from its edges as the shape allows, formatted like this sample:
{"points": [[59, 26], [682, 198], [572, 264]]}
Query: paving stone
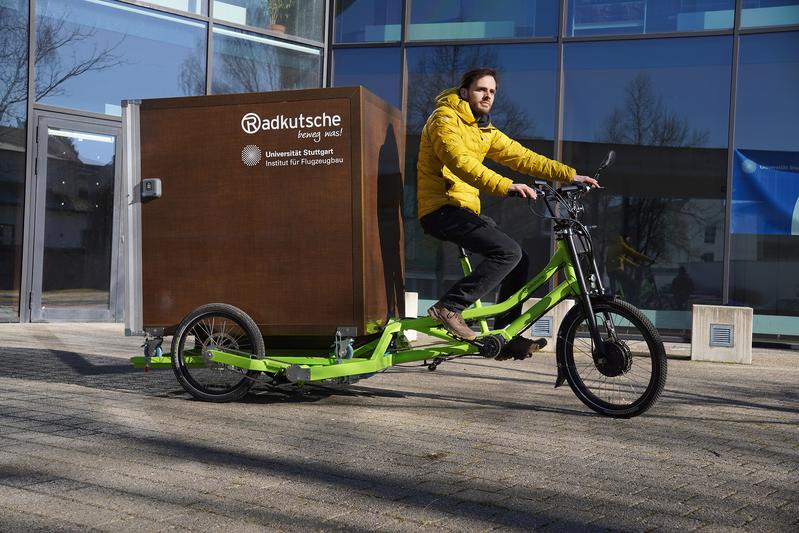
{"points": [[475, 446]]}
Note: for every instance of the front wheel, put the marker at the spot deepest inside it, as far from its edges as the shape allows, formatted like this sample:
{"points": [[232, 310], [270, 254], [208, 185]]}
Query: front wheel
{"points": [[629, 378], [222, 327]]}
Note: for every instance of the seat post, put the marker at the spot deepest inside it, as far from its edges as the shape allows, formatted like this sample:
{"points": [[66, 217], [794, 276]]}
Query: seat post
{"points": [[466, 265]]}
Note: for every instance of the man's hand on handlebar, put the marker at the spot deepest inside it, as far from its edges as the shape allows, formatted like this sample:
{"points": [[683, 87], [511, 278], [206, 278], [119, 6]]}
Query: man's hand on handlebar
{"points": [[521, 190], [587, 180]]}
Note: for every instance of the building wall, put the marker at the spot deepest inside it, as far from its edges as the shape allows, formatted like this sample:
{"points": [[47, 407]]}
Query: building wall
{"points": [[82, 58], [696, 98]]}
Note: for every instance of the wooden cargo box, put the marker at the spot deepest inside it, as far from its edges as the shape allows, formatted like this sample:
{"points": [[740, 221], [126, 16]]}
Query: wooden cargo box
{"points": [[285, 204]]}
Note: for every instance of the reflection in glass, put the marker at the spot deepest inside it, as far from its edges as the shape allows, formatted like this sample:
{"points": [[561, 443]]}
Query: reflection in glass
{"points": [[95, 54], [480, 19], [663, 106], [764, 252], [769, 12], [79, 216], [198, 7], [303, 18], [13, 121], [359, 21], [377, 69], [616, 17], [245, 63], [523, 109]]}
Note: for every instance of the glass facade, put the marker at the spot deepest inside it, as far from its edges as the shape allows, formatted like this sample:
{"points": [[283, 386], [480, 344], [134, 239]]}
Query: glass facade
{"points": [[652, 80], [619, 17], [769, 13], [482, 19], [13, 123], [88, 56], [95, 54], [359, 21], [702, 114], [302, 18], [663, 106], [764, 245], [198, 7], [244, 62], [377, 69]]}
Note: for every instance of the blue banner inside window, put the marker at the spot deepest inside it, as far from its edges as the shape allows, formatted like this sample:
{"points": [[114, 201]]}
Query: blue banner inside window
{"points": [[765, 192]]}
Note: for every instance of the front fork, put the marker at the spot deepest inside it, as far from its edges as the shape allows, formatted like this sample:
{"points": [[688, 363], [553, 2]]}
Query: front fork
{"points": [[585, 296]]}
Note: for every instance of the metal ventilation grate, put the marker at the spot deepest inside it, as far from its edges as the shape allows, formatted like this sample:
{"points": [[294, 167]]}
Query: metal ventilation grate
{"points": [[721, 335], [543, 327]]}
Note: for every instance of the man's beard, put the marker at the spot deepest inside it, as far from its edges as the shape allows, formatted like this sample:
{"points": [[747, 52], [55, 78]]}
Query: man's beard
{"points": [[477, 112]]}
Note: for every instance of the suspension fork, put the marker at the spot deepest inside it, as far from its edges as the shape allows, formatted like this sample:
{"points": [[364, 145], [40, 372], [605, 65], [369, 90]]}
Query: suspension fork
{"points": [[611, 329], [585, 297]]}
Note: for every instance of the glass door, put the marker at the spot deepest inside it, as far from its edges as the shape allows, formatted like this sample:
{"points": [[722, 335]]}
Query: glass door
{"points": [[76, 222]]}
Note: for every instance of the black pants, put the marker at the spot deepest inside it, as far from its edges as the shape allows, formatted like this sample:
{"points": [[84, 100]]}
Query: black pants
{"points": [[504, 260]]}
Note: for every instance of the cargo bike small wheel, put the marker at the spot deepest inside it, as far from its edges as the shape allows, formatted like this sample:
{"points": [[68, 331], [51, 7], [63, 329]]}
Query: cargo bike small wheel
{"points": [[215, 326]]}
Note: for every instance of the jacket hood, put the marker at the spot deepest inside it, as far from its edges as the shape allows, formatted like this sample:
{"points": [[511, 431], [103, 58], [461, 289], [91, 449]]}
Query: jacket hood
{"points": [[450, 98]]}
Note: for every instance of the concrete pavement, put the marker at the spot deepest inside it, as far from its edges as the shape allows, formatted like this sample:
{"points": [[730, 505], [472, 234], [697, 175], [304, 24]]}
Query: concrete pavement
{"points": [[88, 442]]}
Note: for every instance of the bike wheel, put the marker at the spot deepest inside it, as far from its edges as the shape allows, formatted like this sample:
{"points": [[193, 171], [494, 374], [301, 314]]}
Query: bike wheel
{"points": [[631, 377], [209, 327]]}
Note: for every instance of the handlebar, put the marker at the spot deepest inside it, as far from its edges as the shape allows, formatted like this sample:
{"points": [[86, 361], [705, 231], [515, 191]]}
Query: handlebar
{"points": [[567, 195]]}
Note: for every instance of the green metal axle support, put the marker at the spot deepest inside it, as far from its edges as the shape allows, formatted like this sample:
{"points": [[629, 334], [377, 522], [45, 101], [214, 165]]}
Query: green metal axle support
{"points": [[379, 354]]}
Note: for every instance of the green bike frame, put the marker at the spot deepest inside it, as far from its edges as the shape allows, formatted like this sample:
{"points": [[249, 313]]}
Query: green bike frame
{"points": [[382, 353]]}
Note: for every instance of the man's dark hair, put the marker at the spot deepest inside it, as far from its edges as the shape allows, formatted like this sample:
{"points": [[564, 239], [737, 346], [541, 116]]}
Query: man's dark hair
{"points": [[475, 74]]}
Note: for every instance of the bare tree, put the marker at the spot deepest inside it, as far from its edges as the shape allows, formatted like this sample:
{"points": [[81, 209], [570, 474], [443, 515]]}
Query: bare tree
{"points": [[441, 70], [644, 120], [53, 67], [653, 225]]}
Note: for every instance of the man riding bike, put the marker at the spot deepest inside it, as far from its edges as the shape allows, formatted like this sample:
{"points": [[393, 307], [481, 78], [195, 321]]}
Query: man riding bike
{"points": [[456, 138]]}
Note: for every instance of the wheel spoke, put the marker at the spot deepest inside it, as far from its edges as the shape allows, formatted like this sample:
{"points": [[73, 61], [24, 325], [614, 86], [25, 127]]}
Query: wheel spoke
{"points": [[634, 388], [221, 331]]}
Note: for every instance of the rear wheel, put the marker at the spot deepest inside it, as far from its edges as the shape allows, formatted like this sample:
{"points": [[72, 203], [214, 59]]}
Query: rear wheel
{"points": [[631, 375], [215, 326]]}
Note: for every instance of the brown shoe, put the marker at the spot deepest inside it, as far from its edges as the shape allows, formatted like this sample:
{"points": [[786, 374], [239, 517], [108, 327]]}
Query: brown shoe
{"points": [[452, 322], [520, 348]]}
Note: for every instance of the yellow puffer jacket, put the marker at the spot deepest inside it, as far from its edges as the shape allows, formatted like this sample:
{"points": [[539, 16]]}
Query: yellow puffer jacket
{"points": [[450, 168]]}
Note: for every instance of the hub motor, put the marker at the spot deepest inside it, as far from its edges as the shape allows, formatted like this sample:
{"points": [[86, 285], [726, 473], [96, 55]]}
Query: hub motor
{"points": [[617, 361]]}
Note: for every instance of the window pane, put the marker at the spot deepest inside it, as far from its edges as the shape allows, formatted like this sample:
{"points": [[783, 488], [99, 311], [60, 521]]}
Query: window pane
{"points": [[359, 21], [246, 63], [107, 51], [764, 253], [663, 106], [303, 18], [377, 69], [199, 7], [479, 19], [13, 122], [769, 12], [614, 17], [78, 220], [523, 109]]}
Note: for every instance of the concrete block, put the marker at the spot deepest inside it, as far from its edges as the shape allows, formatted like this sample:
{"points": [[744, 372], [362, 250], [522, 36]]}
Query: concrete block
{"points": [[728, 327], [411, 311], [554, 316]]}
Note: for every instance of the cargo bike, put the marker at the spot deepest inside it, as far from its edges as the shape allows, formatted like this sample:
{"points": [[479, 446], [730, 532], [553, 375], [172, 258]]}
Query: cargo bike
{"points": [[608, 352]]}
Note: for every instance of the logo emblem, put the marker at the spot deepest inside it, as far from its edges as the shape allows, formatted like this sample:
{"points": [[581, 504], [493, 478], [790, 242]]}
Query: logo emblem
{"points": [[251, 155], [251, 123], [748, 166]]}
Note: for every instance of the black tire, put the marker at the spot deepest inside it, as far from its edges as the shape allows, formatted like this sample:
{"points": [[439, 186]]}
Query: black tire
{"points": [[632, 377], [221, 326]]}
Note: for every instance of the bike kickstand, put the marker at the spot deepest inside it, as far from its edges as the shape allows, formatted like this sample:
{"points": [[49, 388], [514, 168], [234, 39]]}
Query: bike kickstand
{"points": [[437, 361]]}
